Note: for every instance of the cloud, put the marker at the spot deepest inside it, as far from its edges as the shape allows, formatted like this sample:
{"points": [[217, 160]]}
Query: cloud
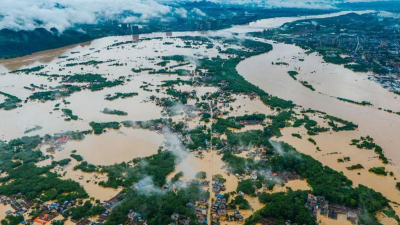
{"points": [[389, 15], [146, 186], [174, 144], [310, 4], [63, 14], [198, 12]]}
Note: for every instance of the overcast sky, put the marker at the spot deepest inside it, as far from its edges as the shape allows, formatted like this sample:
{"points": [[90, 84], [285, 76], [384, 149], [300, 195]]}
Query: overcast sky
{"points": [[61, 14]]}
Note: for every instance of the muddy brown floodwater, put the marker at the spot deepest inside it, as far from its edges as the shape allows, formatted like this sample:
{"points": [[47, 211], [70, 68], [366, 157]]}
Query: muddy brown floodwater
{"points": [[334, 80], [115, 146]]}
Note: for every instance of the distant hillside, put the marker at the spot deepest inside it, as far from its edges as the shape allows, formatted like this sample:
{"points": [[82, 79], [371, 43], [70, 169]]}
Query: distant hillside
{"points": [[19, 43]]}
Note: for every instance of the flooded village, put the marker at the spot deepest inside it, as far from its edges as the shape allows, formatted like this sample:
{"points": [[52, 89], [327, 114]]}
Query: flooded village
{"points": [[194, 128]]}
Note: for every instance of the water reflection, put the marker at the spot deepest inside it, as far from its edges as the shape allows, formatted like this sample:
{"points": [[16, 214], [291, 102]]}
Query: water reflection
{"points": [[43, 57], [135, 38]]}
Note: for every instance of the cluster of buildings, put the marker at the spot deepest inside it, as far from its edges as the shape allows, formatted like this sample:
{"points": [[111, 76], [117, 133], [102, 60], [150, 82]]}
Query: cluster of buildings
{"points": [[49, 211], [179, 220], [218, 208], [135, 218], [318, 204], [201, 209], [262, 153], [217, 185], [18, 203], [220, 212]]}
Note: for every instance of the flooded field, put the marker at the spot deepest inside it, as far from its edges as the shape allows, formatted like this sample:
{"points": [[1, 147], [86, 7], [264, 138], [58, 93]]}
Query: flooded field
{"points": [[115, 146], [89, 181], [292, 184]]}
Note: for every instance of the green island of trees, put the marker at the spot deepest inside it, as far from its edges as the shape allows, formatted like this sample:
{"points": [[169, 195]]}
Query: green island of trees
{"points": [[297, 135], [355, 167], [69, 114], [114, 112], [35, 128], [241, 202], [29, 70], [311, 125], [64, 90], [11, 101], [118, 95], [201, 175], [248, 186], [177, 176], [63, 162], [76, 157], [293, 74], [378, 170], [369, 144], [307, 85], [364, 103], [347, 125], [99, 128]]}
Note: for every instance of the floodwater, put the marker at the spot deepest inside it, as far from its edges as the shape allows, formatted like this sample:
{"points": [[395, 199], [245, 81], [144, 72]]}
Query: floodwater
{"points": [[334, 80], [4, 209], [260, 25], [244, 105], [336, 145], [115, 146], [386, 220], [88, 181], [211, 164], [325, 220], [380, 125], [292, 184]]}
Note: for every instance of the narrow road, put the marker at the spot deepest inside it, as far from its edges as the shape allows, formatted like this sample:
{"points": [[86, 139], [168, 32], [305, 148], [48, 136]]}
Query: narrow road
{"points": [[210, 169]]}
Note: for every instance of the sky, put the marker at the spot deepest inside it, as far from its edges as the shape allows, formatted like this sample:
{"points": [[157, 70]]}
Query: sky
{"points": [[62, 14]]}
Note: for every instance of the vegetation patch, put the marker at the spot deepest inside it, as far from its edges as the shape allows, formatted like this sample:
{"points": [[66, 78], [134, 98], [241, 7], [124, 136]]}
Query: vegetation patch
{"points": [[355, 167], [114, 112], [369, 144], [378, 171], [118, 95], [69, 114], [99, 128], [293, 74], [11, 101]]}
